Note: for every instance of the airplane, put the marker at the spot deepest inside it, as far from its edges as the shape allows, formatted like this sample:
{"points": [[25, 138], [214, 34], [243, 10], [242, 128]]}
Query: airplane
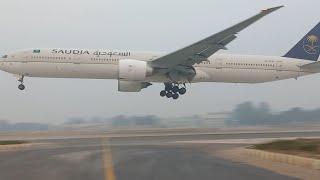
{"points": [[192, 64]]}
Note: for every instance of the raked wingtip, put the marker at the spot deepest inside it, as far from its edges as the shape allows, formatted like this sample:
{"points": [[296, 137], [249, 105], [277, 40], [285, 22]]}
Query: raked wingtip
{"points": [[269, 10]]}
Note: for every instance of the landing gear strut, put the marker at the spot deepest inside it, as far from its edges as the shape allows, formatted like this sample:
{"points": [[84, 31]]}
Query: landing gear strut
{"points": [[21, 86], [173, 90]]}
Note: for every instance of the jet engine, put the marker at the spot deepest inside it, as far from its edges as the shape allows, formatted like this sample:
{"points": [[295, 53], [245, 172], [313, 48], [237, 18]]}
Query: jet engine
{"points": [[133, 70]]}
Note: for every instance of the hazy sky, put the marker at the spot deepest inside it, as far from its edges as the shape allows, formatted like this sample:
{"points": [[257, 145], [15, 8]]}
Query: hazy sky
{"points": [[164, 25]]}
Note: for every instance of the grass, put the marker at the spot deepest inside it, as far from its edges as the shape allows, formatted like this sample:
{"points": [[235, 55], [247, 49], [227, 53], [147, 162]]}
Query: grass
{"points": [[303, 147], [12, 142]]}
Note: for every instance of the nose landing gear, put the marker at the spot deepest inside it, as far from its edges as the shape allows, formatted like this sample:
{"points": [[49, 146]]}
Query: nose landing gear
{"points": [[21, 86], [173, 90]]}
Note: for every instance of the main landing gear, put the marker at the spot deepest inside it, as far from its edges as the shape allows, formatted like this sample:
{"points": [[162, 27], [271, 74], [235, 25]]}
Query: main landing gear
{"points": [[21, 86], [173, 90]]}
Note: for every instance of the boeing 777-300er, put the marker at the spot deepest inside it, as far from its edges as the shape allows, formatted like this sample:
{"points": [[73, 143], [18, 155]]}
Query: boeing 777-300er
{"points": [[191, 64]]}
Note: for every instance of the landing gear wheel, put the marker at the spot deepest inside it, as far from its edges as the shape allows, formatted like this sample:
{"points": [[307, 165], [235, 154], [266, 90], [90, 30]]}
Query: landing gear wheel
{"points": [[163, 93], [169, 95], [175, 96], [175, 89], [182, 91], [21, 87], [168, 87]]}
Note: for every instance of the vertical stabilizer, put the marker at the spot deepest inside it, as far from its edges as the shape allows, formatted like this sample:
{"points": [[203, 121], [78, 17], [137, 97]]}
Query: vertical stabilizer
{"points": [[308, 47]]}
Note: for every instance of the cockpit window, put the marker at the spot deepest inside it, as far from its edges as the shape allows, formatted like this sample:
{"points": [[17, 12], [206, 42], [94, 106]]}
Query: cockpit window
{"points": [[5, 56]]}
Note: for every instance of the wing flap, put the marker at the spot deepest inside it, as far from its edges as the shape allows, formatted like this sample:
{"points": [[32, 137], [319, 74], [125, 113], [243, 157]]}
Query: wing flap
{"points": [[220, 45]]}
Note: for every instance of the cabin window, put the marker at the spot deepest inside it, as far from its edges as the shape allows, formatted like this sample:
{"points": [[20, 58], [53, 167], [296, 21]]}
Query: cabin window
{"points": [[5, 56]]}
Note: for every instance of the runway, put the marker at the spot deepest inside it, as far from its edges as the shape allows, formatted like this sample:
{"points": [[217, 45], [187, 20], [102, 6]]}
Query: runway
{"points": [[133, 158]]}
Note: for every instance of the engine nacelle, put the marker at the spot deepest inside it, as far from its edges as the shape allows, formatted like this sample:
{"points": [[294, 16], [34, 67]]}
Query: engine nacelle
{"points": [[133, 70], [131, 86]]}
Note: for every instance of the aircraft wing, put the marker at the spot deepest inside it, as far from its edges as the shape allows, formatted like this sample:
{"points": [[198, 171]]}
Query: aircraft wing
{"points": [[200, 51]]}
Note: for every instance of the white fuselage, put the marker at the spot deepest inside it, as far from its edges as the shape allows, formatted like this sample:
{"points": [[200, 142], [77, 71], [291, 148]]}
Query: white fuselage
{"points": [[56, 63]]}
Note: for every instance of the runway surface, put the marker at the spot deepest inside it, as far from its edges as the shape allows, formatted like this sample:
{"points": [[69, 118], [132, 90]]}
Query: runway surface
{"points": [[132, 158]]}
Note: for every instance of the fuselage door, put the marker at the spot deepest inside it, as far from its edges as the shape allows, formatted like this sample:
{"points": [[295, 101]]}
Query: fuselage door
{"points": [[218, 63], [279, 65]]}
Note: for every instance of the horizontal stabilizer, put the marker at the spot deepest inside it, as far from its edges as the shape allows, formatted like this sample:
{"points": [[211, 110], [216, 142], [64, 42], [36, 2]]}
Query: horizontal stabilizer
{"points": [[312, 67]]}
